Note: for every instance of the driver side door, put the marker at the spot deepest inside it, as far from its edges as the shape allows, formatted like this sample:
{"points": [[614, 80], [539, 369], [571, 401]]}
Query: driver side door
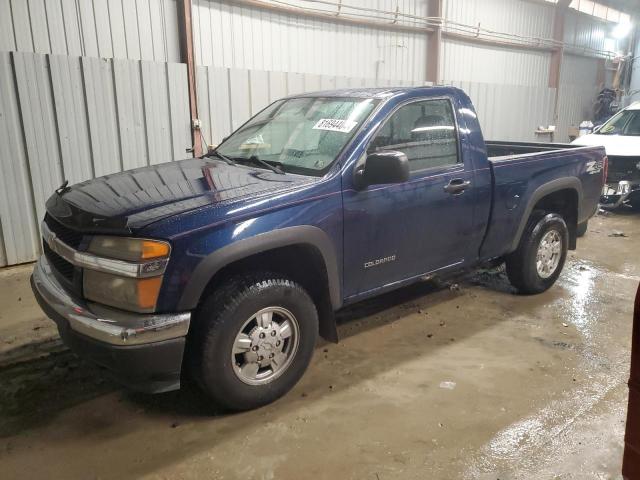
{"points": [[396, 232]]}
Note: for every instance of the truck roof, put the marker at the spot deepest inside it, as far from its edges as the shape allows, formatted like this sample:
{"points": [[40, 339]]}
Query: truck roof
{"points": [[378, 93]]}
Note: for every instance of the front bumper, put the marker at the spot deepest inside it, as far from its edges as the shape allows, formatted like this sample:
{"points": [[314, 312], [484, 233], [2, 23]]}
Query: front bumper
{"points": [[615, 194], [144, 352]]}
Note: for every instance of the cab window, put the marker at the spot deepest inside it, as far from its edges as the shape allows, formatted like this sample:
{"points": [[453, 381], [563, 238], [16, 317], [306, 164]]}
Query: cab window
{"points": [[424, 131]]}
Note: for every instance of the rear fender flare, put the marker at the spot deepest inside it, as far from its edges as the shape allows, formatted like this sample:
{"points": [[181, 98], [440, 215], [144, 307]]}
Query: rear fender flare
{"points": [[565, 183]]}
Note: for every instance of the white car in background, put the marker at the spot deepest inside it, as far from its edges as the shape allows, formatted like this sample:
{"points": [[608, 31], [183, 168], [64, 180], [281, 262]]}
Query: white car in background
{"points": [[620, 136]]}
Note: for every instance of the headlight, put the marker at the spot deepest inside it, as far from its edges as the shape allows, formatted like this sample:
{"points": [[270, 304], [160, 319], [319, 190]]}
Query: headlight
{"points": [[132, 280], [129, 249], [624, 187]]}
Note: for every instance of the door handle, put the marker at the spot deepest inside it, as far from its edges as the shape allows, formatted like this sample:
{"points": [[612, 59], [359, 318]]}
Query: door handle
{"points": [[457, 186]]}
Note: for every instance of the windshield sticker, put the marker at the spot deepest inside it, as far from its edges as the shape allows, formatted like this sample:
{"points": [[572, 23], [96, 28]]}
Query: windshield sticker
{"points": [[254, 143], [335, 125], [257, 140]]}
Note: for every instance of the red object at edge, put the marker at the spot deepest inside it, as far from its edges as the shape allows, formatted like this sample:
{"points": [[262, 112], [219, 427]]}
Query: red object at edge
{"points": [[631, 462]]}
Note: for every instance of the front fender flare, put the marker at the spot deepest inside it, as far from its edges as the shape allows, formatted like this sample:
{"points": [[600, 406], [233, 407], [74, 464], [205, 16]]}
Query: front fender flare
{"points": [[298, 235]]}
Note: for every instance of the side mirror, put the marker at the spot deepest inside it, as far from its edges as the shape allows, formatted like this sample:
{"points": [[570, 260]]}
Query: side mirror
{"points": [[382, 167]]}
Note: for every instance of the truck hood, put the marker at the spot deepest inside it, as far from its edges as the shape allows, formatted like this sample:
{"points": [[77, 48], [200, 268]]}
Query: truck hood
{"points": [[128, 201], [619, 145]]}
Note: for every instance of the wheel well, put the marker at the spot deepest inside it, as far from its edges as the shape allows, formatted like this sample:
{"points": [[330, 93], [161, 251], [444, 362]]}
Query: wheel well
{"points": [[302, 263], [564, 203]]}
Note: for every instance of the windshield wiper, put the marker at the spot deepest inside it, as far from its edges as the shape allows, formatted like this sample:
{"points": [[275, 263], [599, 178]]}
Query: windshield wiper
{"points": [[215, 153], [255, 159]]}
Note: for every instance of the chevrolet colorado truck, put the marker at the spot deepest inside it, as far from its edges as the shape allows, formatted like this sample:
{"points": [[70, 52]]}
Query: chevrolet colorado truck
{"points": [[226, 268]]}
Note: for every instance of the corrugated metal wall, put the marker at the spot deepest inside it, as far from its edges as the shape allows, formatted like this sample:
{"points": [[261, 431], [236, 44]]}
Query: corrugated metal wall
{"points": [[585, 31], [510, 112], [464, 61], [578, 89], [507, 85], [19, 232], [74, 118], [236, 36], [523, 18], [634, 87], [134, 29], [249, 91]]}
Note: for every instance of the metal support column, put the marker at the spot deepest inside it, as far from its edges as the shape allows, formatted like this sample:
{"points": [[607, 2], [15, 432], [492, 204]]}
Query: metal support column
{"points": [[186, 56], [558, 52], [434, 46]]}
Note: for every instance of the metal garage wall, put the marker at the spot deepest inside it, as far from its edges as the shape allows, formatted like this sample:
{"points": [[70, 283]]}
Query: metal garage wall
{"points": [[507, 85], [578, 88], [465, 61], [510, 112], [134, 29], [74, 118], [585, 31], [524, 18], [19, 233], [634, 87], [236, 36], [249, 91]]}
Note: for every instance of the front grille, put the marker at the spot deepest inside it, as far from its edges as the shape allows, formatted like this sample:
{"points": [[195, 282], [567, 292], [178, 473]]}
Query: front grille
{"points": [[623, 168], [66, 234], [58, 263]]}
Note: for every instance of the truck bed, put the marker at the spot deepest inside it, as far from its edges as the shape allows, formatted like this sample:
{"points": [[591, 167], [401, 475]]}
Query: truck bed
{"points": [[500, 149], [519, 171]]}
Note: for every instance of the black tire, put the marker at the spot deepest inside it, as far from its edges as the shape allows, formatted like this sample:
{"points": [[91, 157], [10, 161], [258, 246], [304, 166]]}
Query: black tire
{"points": [[221, 317], [521, 264], [581, 230]]}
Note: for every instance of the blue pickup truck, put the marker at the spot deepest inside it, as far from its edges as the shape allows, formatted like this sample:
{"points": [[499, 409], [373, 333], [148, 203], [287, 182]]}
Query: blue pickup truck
{"points": [[226, 268]]}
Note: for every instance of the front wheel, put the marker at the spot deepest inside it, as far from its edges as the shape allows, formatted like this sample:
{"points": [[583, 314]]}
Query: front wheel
{"points": [[253, 339], [536, 264]]}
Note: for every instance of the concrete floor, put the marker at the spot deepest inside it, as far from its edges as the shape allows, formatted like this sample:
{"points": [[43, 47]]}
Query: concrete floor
{"points": [[435, 381]]}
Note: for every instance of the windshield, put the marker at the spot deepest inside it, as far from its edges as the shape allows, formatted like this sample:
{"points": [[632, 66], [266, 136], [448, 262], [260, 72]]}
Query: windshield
{"points": [[300, 135], [626, 122]]}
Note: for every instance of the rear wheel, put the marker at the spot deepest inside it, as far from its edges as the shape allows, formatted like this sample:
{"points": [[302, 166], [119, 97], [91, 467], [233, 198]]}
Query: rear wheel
{"points": [[253, 340], [536, 264]]}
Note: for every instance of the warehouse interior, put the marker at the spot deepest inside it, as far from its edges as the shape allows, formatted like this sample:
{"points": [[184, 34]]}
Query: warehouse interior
{"points": [[452, 377]]}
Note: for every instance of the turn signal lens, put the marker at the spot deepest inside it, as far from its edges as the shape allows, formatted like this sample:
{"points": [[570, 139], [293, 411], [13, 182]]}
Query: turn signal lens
{"points": [[135, 295], [153, 249], [148, 290]]}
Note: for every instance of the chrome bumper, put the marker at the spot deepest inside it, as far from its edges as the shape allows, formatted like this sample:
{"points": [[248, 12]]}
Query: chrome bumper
{"points": [[108, 325], [615, 194]]}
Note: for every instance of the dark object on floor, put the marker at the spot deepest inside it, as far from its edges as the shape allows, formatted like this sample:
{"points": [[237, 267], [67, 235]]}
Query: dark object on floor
{"points": [[631, 463]]}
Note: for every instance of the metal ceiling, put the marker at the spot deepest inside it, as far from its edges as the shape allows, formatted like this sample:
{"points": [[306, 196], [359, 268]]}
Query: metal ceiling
{"points": [[631, 7]]}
